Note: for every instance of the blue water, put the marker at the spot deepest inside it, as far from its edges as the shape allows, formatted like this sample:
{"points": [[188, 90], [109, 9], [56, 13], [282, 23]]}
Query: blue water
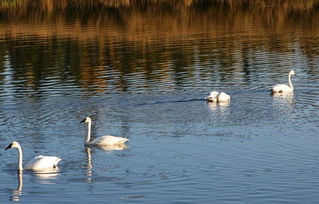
{"points": [[257, 149]]}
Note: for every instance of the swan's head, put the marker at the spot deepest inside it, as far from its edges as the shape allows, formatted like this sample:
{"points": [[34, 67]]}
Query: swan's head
{"points": [[14, 144], [292, 72], [86, 120]]}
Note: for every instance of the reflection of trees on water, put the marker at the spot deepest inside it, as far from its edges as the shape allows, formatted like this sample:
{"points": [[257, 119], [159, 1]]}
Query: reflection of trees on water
{"points": [[102, 45]]}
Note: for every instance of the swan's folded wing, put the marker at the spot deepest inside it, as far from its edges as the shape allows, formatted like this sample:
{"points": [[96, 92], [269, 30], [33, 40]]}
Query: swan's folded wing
{"points": [[281, 88], [109, 140], [43, 162]]}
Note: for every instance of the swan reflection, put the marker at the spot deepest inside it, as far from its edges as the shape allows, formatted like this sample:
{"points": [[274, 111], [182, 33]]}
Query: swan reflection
{"points": [[46, 176], [108, 148], [16, 194], [43, 176], [47, 173], [222, 107], [283, 100], [283, 104], [89, 164], [287, 96]]}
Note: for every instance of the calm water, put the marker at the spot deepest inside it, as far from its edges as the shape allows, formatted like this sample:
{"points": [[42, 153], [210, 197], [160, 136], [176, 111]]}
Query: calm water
{"points": [[142, 71]]}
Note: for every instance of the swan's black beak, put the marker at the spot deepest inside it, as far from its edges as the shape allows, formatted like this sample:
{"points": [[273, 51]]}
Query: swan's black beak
{"points": [[83, 120], [8, 147]]}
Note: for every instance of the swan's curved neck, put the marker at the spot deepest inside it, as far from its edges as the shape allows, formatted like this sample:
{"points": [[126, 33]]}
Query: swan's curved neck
{"points": [[289, 82], [88, 137], [20, 168]]}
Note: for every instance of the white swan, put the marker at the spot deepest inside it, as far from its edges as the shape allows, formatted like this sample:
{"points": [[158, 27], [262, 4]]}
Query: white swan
{"points": [[283, 88], [218, 97], [107, 140], [38, 162]]}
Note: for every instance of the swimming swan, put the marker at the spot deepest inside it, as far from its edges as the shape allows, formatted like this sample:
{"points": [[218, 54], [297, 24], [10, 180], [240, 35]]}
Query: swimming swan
{"points": [[38, 162], [283, 88], [107, 140], [218, 97]]}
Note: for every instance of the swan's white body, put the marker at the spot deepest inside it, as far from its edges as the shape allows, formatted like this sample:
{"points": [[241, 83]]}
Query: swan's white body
{"points": [[223, 98], [43, 162], [284, 88], [218, 97], [106, 140], [38, 162]]}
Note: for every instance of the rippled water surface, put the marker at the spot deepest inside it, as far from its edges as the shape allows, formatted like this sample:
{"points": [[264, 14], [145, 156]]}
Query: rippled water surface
{"points": [[142, 71]]}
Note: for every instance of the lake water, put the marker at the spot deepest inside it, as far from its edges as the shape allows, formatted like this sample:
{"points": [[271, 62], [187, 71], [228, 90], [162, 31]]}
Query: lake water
{"points": [[142, 71]]}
